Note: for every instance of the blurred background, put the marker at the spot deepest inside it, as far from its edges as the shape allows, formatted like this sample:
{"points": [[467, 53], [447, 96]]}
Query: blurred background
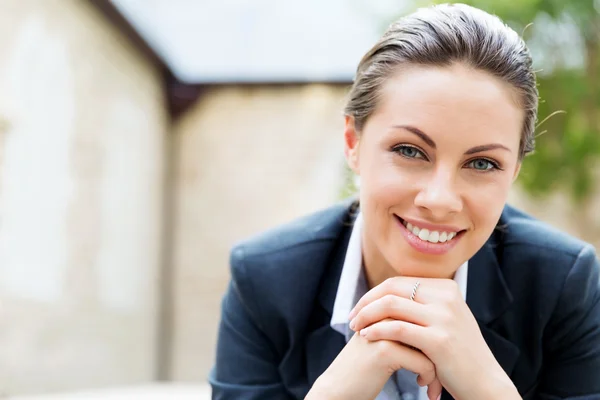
{"points": [[140, 139]]}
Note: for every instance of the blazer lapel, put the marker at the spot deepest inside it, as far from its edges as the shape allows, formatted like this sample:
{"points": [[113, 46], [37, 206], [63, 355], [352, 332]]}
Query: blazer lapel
{"points": [[323, 344], [322, 347], [488, 297]]}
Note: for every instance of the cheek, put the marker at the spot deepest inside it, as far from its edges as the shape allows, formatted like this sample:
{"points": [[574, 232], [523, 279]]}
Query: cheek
{"points": [[383, 186], [387, 182], [485, 203], [384, 191]]}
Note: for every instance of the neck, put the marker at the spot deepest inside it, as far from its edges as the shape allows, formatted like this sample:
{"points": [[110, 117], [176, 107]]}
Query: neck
{"points": [[377, 269]]}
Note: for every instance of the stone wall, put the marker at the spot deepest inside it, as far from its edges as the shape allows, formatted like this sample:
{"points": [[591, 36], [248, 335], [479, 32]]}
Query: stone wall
{"points": [[247, 159], [81, 167]]}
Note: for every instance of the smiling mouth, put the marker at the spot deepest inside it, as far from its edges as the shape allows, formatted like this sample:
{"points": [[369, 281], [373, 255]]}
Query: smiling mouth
{"points": [[431, 236]]}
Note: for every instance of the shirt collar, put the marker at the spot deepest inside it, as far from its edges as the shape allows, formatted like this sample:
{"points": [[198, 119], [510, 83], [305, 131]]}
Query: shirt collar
{"points": [[353, 283]]}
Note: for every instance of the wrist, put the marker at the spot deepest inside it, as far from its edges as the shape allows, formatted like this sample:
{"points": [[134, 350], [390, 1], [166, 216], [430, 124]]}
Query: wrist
{"points": [[321, 390], [498, 386]]}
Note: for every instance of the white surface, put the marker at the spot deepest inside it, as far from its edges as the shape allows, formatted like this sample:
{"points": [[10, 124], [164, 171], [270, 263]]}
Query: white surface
{"points": [[261, 40], [310, 40], [36, 181], [146, 392]]}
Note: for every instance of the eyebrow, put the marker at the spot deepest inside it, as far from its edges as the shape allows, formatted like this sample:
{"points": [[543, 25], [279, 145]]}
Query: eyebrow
{"points": [[424, 137], [486, 147]]}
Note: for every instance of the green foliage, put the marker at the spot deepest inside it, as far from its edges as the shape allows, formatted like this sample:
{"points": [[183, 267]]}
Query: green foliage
{"points": [[564, 37], [349, 187]]}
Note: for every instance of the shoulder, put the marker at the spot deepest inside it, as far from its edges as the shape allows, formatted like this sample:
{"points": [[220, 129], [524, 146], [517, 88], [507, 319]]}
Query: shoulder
{"points": [[279, 272], [540, 261], [522, 232], [554, 279]]}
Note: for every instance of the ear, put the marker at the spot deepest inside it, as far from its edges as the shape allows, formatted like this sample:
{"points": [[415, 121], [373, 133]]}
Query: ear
{"points": [[351, 144]]}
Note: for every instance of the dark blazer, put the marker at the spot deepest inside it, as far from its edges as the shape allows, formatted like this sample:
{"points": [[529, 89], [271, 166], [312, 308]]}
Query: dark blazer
{"points": [[534, 291]]}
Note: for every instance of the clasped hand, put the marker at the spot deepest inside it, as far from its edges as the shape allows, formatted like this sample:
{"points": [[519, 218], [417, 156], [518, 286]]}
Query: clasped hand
{"points": [[437, 322]]}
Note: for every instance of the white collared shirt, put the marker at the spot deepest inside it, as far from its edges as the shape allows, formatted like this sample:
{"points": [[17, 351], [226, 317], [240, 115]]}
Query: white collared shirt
{"points": [[353, 285]]}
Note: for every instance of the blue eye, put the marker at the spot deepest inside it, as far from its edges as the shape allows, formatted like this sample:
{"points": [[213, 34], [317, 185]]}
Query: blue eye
{"points": [[482, 164], [409, 151]]}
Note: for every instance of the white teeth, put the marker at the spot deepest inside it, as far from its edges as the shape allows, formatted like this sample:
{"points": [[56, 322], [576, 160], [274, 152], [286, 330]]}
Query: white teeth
{"points": [[434, 236], [443, 237], [430, 236]]}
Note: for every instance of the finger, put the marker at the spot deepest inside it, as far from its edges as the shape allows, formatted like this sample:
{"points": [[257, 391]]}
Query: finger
{"points": [[399, 331], [421, 381], [416, 362], [400, 286], [434, 389], [390, 306]]}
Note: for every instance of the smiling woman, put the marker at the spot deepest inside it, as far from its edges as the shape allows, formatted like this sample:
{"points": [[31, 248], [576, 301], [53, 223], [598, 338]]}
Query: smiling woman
{"points": [[430, 279], [442, 148]]}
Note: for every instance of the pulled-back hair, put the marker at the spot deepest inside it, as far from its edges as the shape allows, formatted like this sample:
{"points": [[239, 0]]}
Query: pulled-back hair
{"points": [[439, 36]]}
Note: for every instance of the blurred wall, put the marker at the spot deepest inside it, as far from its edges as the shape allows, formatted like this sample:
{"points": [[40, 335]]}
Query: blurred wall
{"points": [[83, 128], [247, 158], [560, 211]]}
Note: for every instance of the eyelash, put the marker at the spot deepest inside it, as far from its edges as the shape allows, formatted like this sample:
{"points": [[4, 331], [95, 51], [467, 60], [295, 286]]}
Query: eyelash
{"points": [[398, 149]]}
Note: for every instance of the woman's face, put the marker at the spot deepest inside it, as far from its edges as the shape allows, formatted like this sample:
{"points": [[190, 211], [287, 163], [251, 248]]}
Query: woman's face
{"points": [[436, 161]]}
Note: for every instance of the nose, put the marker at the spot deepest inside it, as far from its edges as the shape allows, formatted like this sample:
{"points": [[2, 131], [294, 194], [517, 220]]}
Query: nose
{"points": [[438, 194]]}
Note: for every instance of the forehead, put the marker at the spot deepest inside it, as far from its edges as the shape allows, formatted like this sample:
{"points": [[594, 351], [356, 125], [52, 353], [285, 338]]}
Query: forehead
{"points": [[450, 101]]}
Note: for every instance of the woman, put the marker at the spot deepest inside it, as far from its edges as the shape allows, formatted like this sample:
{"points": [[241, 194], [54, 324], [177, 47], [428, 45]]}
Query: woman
{"points": [[433, 285]]}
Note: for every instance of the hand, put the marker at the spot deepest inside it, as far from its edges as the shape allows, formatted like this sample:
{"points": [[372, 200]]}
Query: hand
{"points": [[439, 323], [362, 368]]}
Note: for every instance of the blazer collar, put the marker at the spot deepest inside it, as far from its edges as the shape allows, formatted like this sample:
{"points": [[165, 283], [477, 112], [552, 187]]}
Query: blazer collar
{"points": [[488, 295], [324, 343], [332, 274]]}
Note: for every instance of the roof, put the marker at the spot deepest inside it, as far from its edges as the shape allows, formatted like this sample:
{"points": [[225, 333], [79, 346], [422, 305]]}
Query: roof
{"points": [[266, 41]]}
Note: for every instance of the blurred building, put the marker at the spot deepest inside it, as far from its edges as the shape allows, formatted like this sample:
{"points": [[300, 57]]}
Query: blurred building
{"points": [[138, 141], [84, 132], [122, 189]]}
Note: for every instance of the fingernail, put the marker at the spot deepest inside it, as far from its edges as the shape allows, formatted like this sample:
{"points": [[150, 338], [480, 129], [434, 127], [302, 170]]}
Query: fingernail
{"points": [[353, 324], [439, 397], [363, 332]]}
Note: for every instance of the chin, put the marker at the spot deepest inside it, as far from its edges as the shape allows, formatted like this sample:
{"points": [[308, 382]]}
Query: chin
{"points": [[405, 261]]}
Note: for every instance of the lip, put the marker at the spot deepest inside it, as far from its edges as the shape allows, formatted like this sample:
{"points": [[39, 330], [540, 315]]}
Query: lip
{"points": [[427, 247], [431, 227]]}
